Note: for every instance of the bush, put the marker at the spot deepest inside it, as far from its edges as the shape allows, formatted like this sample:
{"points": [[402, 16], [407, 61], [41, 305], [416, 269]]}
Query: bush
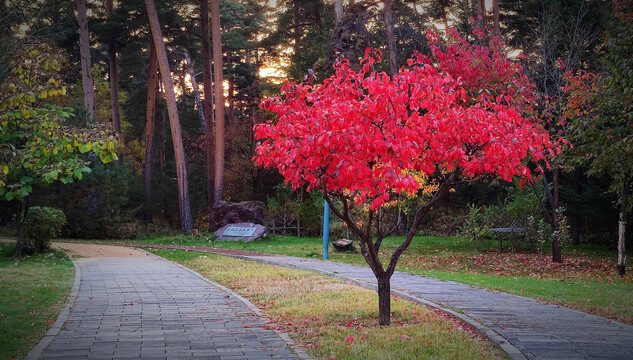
{"points": [[43, 224], [475, 226]]}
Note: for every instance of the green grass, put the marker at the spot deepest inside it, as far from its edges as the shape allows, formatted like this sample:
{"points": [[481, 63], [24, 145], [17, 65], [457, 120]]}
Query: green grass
{"points": [[330, 317], [586, 280], [34, 290]]}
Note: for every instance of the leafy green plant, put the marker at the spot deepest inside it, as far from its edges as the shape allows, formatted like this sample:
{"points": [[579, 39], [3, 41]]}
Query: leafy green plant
{"points": [[43, 224], [476, 225]]}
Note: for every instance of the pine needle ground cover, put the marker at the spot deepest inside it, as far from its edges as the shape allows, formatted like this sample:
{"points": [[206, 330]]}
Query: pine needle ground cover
{"points": [[333, 319], [34, 290]]}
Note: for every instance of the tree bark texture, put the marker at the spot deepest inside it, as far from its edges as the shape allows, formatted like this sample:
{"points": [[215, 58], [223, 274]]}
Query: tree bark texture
{"points": [[495, 17], [391, 40], [196, 91], [186, 220], [557, 254], [23, 212], [208, 98], [384, 300], [622, 229], [218, 86], [86, 64], [152, 89], [113, 75], [338, 11]]}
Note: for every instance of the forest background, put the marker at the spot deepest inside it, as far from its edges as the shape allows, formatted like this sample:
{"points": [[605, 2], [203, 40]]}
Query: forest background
{"points": [[139, 191]]}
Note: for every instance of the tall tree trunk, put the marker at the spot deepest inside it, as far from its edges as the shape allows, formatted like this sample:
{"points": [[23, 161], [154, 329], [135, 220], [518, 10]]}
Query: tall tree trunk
{"points": [[338, 11], [179, 152], [495, 17], [152, 89], [622, 229], [218, 86], [23, 212], [231, 101], [113, 75], [296, 33], [86, 65], [208, 98], [391, 40], [196, 91]]}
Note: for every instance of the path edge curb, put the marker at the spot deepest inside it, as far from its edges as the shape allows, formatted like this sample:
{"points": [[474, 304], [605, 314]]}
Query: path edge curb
{"points": [[499, 340], [513, 352], [301, 354], [64, 314]]}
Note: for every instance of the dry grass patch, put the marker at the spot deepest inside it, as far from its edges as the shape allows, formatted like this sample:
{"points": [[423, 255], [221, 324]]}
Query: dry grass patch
{"points": [[334, 319]]}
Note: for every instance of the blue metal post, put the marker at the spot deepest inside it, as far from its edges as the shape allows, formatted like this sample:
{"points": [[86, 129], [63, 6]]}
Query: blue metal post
{"points": [[326, 229]]}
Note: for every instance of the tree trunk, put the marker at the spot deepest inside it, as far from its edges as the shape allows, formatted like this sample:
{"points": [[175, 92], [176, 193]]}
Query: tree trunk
{"points": [[196, 91], [152, 89], [179, 152], [86, 66], [231, 101], [113, 75], [219, 101], [557, 255], [384, 300], [391, 40], [338, 11], [208, 97], [296, 33], [622, 229], [23, 212], [495, 17]]}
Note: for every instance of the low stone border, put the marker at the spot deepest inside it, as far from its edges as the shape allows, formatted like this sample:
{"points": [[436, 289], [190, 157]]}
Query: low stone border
{"points": [[513, 352], [61, 319], [301, 354]]}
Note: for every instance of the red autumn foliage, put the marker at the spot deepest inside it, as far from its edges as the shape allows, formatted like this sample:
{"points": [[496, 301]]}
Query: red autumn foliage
{"points": [[364, 132], [365, 137]]}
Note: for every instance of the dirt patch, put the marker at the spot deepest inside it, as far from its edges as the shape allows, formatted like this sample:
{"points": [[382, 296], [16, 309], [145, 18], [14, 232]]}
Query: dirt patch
{"points": [[92, 250]]}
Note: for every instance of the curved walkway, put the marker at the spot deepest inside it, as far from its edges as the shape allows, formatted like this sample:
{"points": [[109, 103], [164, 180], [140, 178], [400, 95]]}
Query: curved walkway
{"points": [[152, 308], [523, 327]]}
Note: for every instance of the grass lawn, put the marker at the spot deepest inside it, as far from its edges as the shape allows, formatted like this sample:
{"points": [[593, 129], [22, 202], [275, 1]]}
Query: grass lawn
{"points": [[34, 290], [586, 280], [334, 319]]}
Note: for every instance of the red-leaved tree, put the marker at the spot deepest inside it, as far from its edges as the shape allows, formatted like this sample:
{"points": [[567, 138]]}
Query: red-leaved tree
{"points": [[366, 138]]}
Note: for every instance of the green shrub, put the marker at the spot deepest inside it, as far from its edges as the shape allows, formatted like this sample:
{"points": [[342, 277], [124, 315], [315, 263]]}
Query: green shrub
{"points": [[43, 224], [475, 226]]}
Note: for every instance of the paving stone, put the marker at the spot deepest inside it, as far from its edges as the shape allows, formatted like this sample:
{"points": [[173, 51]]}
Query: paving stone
{"points": [[537, 329], [149, 308]]}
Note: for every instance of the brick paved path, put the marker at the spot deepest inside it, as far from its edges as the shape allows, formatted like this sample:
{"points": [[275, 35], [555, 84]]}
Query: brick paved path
{"points": [[150, 308], [524, 328]]}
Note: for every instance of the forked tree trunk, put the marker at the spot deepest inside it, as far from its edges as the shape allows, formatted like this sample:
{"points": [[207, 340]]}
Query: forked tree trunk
{"points": [[113, 75], [219, 101], [391, 40], [196, 91], [186, 220], [208, 98], [86, 64], [152, 89], [622, 229], [23, 212], [369, 249]]}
